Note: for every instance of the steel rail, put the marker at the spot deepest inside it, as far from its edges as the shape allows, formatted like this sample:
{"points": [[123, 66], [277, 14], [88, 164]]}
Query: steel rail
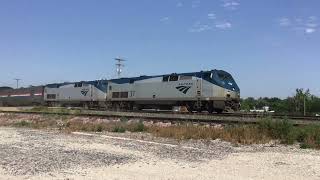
{"points": [[173, 117]]}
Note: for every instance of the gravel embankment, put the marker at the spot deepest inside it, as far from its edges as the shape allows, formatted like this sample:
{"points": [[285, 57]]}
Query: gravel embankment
{"points": [[39, 154], [29, 152]]}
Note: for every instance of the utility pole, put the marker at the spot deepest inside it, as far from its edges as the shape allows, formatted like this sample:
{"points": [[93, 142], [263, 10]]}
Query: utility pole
{"points": [[119, 66], [17, 82], [304, 105]]}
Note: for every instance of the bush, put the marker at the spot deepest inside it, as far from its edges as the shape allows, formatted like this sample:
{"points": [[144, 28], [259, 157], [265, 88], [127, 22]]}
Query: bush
{"points": [[305, 146], [99, 128], [68, 124], [279, 129], [119, 129], [124, 119], [139, 127], [22, 124], [39, 108], [309, 136], [84, 128]]}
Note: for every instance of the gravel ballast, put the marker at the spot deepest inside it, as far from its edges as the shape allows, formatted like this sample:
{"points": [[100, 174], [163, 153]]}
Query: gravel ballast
{"points": [[41, 154]]}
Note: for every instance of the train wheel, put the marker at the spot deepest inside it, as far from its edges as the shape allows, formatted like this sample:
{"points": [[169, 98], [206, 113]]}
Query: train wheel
{"points": [[117, 107], [49, 104], [209, 107], [137, 107], [85, 106], [189, 108]]}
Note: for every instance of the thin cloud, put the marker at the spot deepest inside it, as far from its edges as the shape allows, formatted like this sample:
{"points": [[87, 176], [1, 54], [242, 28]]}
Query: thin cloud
{"points": [[312, 25], [310, 30], [312, 18], [198, 27], [230, 4], [312, 22], [223, 25], [211, 16], [284, 22], [195, 3], [210, 23], [164, 19], [179, 4], [307, 25]]}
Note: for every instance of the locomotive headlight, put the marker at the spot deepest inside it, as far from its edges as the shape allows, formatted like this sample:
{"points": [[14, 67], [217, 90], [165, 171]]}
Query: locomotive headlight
{"points": [[228, 94]]}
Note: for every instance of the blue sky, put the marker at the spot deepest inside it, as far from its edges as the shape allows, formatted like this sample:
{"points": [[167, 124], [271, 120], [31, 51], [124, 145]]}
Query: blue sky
{"points": [[270, 47]]}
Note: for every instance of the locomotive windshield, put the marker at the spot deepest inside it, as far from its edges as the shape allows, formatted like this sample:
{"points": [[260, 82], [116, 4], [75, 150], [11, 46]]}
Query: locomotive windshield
{"points": [[226, 80]]}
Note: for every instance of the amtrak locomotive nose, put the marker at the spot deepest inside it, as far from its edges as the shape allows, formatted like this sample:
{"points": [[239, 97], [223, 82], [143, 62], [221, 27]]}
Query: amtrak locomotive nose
{"points": [[232, 90], [222, 91]]}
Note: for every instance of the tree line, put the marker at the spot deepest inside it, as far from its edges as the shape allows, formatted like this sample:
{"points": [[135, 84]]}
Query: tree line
{"points": [[303, 102]]}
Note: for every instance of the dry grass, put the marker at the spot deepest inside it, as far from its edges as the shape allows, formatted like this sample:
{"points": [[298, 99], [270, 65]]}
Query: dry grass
{"points": [[110, 127], [263, 132], [61, 110], [244, 134]]}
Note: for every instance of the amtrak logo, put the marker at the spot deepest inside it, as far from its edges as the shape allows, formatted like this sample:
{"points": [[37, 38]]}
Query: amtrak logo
{"points": [[84, 92], [183, 89]]}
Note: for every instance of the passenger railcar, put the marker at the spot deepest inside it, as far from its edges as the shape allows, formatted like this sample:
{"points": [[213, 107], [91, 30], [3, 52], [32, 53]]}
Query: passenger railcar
{"points": [[21, 97]]}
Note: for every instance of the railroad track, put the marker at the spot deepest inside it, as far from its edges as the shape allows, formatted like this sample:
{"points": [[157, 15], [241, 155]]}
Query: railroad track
{"points": [[205, 118]]}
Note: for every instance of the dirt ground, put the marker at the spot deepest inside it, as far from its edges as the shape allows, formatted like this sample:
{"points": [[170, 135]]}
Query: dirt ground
{"points": [[40, 154]]}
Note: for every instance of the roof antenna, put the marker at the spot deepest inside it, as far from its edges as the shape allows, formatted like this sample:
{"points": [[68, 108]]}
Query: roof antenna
{"points": [[119, 66]]}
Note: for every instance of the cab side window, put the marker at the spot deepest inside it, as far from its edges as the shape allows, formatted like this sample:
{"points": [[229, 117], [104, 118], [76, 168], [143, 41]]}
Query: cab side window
{"points": [[207, 76], [78, 85], [165, 78], [174, 78]]}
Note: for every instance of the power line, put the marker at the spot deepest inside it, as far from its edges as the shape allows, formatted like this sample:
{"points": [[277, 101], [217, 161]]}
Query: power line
{"points": [[4, 84], [119, 66]]}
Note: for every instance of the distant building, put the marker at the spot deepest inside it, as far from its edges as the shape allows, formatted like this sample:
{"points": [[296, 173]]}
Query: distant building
{"points": [[263, 110]]}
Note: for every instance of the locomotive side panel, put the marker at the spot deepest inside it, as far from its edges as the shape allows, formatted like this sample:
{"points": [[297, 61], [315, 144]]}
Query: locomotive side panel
{"points": [[76, 93], [168, 90], [154, 90]]}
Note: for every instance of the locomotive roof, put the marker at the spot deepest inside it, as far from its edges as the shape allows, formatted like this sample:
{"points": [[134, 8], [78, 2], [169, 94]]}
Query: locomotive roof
{"points": [[231, 85], [101, 84], [143, 77], [56, 85]]}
